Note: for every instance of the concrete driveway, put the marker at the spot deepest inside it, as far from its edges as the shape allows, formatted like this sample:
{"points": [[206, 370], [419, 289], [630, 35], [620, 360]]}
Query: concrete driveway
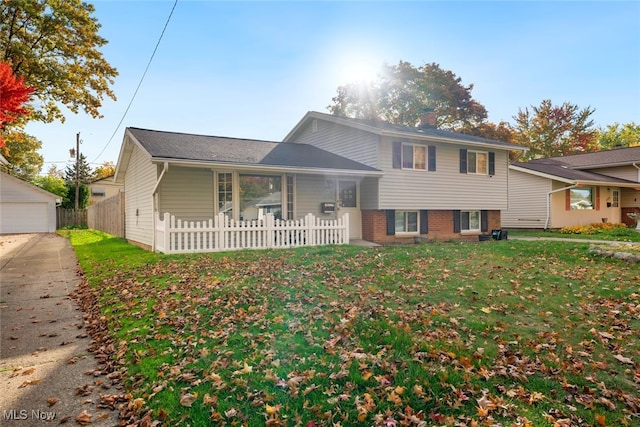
{"points": [[46, 370]]}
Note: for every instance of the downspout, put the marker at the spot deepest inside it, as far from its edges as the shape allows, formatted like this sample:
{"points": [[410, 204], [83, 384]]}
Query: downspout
{"points": [[546, 223], [165, 168], [635, 165]]}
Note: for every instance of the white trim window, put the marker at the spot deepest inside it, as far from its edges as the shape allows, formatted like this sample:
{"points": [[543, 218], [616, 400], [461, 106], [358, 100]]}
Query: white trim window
{"points": [[470, 221], [477, 162], [414, 156], [407, 222]]}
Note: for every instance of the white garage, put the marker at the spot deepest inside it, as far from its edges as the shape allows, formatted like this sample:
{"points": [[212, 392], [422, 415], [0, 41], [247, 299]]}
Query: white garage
{"points": [[25, 208]]}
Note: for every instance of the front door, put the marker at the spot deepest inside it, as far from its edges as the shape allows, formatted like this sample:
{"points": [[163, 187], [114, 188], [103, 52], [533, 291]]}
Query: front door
{"points": [[348, 203]]}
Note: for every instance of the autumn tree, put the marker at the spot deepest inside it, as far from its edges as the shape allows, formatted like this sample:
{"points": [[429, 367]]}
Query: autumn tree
{"points": [[554, 130], [105, 170], [402, 92], [55, 45], [21, 151], [617, 135], [13, 95]]}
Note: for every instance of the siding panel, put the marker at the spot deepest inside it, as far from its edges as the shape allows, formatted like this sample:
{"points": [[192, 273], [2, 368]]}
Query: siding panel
{"points": [[187, 193], [344, 141], [527, 201], [444, 189], [139, 180]]}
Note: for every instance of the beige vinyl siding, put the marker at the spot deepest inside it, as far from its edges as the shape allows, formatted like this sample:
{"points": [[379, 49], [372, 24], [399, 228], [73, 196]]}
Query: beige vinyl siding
{"points": [[187, 193], [445, 188], [623, 172], [369, 194], [342, 140], [527, 201], [311, 190], [629, 198], [140, 178]]}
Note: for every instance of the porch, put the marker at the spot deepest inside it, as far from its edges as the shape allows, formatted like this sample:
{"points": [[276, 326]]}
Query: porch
{"points": [[221, 233]]}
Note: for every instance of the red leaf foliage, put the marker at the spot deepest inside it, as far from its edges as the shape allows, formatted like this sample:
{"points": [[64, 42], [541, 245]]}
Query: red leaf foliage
{"points": [[13, 94]]}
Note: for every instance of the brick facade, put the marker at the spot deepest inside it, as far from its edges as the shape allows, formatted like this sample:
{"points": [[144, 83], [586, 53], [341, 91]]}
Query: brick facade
{"points": [[374, 227]]}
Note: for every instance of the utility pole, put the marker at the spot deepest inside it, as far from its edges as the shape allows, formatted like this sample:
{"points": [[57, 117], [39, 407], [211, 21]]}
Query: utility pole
{"points": [[77, 171]]}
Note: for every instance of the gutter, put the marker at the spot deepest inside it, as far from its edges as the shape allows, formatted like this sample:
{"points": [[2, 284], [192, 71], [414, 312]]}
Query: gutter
{"points": [[635, 165], [546, 223]]}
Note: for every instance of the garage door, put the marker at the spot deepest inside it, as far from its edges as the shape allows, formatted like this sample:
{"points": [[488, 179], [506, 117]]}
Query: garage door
{"points": [[23, 218]]}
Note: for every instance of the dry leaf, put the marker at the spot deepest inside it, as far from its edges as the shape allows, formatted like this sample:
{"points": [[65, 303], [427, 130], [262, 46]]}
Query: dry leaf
{"points": [[83, 418], [622, 359], [52, 401], [188, 399]]}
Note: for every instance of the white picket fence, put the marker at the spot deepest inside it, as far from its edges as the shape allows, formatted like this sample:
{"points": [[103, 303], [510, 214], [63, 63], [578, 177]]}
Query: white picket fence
{"points": [[220, 233]]}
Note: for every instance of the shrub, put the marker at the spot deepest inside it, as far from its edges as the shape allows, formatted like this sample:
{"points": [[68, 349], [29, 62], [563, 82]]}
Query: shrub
{"points": [[596, 228]]}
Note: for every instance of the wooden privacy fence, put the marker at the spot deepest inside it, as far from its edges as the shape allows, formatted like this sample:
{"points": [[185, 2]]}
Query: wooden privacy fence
{"points": [[174, 236], [71, 217], [108, 215]]}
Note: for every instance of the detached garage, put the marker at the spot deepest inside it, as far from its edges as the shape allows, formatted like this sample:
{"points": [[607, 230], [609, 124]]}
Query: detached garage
{"points": [[25, 208]]}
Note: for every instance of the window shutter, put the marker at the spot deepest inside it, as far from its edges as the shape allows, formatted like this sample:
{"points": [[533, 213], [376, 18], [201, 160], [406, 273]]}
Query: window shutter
{"points": [[456, 221], [567, 203], [432, 157], [391, 222], [424, 222], [492, 163], [597, 198], [396, 155], [484, 221], [463, 160]]}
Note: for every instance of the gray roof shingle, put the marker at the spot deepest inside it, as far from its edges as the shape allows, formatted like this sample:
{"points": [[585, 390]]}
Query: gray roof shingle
{"points": [[237, 151]]}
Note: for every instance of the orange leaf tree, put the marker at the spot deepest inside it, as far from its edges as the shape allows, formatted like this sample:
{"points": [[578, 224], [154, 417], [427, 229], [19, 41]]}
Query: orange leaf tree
{"points": [[13, 95]]}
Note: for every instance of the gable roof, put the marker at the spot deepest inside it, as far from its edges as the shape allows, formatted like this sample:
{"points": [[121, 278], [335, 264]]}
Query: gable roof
{"points": [[601, 159], [183, 148], [400, 131], [571, 169], [14, 189]]}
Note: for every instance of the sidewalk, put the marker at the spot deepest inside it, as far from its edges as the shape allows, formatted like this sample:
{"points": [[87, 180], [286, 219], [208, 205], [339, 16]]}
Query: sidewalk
{"points": [[46, 370]]}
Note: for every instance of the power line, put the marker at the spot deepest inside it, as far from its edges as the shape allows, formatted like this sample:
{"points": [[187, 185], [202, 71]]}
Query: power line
{"points": [[139, 84]]}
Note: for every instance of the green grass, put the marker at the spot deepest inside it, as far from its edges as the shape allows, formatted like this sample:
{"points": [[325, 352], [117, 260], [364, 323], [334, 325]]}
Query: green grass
{"points": [[506, 332]]}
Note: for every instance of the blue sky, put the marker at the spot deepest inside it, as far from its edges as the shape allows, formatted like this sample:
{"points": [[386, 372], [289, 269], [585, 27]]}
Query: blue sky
{"points": [[253, 69]]}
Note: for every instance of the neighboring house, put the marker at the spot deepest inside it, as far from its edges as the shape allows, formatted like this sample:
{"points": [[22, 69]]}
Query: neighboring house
{"points": [[25, 208], [103, 189], [580, 189], [397, 183]]}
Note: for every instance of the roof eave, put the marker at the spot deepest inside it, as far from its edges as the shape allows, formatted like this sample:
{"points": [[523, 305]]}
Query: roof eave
{"points": [[270, 168], [542, 174]]}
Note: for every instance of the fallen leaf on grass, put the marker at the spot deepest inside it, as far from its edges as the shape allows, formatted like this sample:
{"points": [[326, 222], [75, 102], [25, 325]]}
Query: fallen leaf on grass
{"points": [[622, 359], [188, 399], [245, 370]]}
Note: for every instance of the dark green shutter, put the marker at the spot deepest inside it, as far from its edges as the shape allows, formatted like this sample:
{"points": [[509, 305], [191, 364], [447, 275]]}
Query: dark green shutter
{"points": [[492, 163], [463, 160], [396, 155], [432, 158], [484, 221], [456, 221], [391, 222], [424, 222]]}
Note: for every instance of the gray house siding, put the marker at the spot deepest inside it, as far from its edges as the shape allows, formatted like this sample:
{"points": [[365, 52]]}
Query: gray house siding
{"points": [[187, 193], [139, 181], [351, 143], [527, 201], [624, 172], [445, 188]]}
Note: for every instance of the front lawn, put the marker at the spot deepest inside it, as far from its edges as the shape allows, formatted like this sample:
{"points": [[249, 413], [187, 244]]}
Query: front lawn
{"points": [[499, 333]]}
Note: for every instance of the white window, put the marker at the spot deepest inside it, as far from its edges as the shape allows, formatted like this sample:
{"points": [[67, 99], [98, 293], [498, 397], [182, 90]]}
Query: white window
{"points": [[469, 220], [615, 196], [407, 221], [414, 156], [477, 162]]}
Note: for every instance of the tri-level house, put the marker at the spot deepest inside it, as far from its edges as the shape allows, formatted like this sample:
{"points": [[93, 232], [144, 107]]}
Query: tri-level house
{"points": [[396, 183], [580, 189]]}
